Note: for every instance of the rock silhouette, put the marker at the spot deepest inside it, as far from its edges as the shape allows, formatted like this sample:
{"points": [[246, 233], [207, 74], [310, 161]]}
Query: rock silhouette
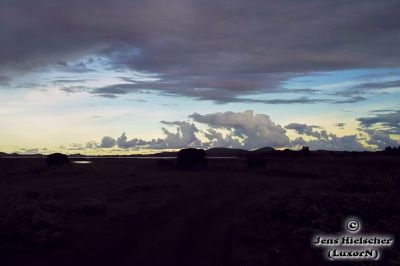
{"points": [[305, 150], [392, 150], [57, 159], [191, 159]]}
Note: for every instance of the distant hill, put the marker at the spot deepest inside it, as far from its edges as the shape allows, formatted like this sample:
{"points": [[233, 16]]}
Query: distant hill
{"points": [[220, 152], [265, 149], [225, 152], [5, 155], [162, 154]]}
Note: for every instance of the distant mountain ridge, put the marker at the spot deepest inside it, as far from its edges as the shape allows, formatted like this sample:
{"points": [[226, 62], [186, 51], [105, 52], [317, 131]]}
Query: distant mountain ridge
{"points": [[212, 152], [225, 152], [265, 149]]}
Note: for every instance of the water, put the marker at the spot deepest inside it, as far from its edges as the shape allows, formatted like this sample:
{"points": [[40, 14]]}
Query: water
{"points": [[82, 162]]}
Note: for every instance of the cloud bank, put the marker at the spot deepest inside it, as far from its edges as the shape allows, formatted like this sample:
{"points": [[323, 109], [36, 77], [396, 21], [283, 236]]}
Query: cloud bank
{"points": [[248, 130]]}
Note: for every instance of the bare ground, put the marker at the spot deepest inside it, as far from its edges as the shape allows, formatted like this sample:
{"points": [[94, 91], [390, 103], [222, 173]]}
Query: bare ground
{"points": [[133, 212]]}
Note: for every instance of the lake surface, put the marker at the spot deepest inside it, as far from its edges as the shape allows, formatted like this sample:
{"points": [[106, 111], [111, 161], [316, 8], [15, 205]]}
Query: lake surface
{"points": [[82, 162]]}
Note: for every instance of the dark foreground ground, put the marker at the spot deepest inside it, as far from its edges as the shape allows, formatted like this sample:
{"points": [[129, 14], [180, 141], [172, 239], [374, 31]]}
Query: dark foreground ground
{"points": [[136, 212]]}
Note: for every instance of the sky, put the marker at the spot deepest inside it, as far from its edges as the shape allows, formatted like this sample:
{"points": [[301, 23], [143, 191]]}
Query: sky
{"points": [[141, 76]]}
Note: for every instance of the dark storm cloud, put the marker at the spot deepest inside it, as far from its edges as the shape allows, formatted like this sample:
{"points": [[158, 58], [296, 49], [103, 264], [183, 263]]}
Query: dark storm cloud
{"points": [[220, 96], [234, 48]]}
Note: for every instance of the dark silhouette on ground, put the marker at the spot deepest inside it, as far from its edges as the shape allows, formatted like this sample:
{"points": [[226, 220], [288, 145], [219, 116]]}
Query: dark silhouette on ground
{"points": [[225, 152], [392, 150], [191, 159], [129, 212], [265, 150], [228, 152], [57, 159], [305, 150]]}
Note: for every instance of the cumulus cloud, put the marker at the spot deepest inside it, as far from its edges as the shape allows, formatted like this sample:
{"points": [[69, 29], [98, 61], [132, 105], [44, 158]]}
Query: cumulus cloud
{"points": [[229, 129], [380, 139], [255, 130], [217, 139], [388, 122], [250, 131], [124, 143], [332, 142], [184, 137], [323, 140], [107, 142]]}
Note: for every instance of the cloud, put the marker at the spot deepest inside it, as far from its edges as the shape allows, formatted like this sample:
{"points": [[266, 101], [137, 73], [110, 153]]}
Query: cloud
{"points": [[379, 128], [378, 85], [380, 139], [219, 96], [184, 136], [323, 140], [30, 151], [352, 99], [4, 81], [255, 130], [251, 131], [358, 92], [216, 50], [382, 111], [107, 142], [304, 129], [386, 121], [124, 143], [113, 90], [217, 139], [340, 125], [76, 147], [229, 129], [332, 142]]}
